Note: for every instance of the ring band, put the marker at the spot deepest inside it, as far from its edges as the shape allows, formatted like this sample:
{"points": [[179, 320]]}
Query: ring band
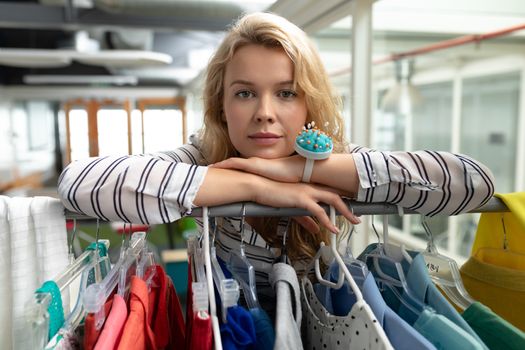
{"points": [[308, 169]]}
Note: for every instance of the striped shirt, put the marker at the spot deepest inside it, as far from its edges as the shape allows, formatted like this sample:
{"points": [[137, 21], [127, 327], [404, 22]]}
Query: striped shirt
{"points": [[161, 187]]}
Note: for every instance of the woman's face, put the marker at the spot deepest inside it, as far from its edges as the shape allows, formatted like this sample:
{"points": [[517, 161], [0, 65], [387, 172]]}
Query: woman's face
{"points": [[262, 110]]}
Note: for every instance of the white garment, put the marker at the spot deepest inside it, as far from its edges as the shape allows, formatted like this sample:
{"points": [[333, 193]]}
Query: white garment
{"points": [[322, 330], [287, 320], [34, 231]]}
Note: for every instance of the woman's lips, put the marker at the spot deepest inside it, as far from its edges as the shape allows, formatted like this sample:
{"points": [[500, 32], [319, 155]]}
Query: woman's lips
{"points": [[264, 138]]}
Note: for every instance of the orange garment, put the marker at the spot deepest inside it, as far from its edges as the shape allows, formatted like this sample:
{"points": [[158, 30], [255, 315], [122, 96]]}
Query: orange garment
{"points": [[137, 333], [90, 332], [155, 320]]}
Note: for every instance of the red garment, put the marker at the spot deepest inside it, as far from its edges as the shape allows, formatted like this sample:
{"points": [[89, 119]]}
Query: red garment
{"points": [[155, 320], [90, 332], [201, 334], [198, 327]]}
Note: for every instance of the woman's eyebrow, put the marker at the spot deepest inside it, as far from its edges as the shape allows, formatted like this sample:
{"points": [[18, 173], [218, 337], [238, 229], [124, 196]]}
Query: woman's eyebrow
{"points": [[246, 82], [242, 82]]}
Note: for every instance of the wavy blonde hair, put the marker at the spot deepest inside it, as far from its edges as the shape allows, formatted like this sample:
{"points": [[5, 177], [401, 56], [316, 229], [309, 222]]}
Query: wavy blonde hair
{"points": [[310, 76]]}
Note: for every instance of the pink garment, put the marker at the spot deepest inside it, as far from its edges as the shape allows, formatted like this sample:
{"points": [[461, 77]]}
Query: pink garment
{"points": [[114, 325]]}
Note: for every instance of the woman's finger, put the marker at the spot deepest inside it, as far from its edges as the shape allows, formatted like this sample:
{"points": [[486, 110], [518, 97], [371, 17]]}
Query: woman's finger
{"points": [[321, 215]]}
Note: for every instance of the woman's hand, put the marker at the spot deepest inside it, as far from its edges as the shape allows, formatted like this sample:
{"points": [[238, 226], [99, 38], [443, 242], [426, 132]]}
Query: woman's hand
{"points": [[287, 169], [302, 195]]}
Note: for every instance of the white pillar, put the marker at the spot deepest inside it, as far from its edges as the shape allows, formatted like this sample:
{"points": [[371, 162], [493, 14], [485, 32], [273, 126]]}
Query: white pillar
{"points": [[360, 117]]}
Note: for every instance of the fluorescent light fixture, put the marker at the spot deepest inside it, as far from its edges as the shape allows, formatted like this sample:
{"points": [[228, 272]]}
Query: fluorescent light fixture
{"points": [[42, 58], [29, 58], [80, 79]]}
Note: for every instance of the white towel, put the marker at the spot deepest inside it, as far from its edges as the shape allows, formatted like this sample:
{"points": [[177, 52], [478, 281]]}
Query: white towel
{"points": [[37, 237], [5, 277]]}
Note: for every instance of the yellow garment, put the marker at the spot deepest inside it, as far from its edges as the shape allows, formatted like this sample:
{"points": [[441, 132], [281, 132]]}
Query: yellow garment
{"points": [[490, 227], [500, 288], [493, 275]]}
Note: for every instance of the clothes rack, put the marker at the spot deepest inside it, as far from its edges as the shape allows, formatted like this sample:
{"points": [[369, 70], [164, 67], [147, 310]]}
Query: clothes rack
{"points": [[359, 208]]}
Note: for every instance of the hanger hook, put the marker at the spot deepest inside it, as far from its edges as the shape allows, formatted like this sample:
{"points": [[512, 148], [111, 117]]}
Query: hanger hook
{"points": [[353, 227], [285, 236], [430, 245], [72, 240], [213, 224], [241, 231]]}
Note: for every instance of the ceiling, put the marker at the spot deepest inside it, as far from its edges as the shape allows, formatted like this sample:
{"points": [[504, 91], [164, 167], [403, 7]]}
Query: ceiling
{"points": [[167, 43]]}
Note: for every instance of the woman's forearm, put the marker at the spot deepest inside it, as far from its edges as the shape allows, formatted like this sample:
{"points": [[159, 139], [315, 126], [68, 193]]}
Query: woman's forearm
{"points": [[339, 172], [223, 186]]}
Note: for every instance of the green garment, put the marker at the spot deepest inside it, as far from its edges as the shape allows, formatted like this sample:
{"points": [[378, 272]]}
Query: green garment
{"points": [[495, 332]]}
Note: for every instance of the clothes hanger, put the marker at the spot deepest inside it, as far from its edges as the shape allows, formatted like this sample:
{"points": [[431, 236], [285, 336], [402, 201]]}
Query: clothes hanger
{"points": [[228, 288], [357, 267], [96, 294], [36, 309], [144, 268], [283, 256], [393, 256], [242, 270], [209, 279], [444, 272], [332, 254]]}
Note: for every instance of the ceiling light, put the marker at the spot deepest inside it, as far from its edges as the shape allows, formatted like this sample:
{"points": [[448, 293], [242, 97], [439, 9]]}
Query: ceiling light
{"points": [[403, 96], [80, 79]]}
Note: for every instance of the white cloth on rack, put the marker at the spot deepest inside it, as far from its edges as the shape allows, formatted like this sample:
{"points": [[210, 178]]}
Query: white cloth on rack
{"points": [[287, 320], [5, 276], [34, 231], [357, 330]]}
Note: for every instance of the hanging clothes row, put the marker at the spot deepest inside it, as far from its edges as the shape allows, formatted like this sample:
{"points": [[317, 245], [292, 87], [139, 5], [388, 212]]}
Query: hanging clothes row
{"points": [[388, 297]]}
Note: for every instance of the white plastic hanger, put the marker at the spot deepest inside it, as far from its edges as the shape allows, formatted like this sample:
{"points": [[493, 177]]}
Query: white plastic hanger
{"points": [[36, 309], [242, 270], [444, 272], [394, 255], [97, 293], [209, 279], [228, 288], [333, 254]]}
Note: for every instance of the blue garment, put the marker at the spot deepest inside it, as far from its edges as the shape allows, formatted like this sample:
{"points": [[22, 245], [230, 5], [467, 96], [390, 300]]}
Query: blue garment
{"points": [[443, 333], [340, 301], [238, 333], [422, 288], [263, 329]]}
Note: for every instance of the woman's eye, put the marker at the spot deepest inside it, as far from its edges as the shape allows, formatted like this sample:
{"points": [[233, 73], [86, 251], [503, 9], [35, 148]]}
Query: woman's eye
{"points": [[287, 94], [244, 94]]}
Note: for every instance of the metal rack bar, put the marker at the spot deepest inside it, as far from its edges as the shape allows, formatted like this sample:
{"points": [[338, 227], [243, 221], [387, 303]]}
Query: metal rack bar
{"points": [[359, 208]]}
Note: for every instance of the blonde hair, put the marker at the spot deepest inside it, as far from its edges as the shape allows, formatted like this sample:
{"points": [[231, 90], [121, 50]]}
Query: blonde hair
{"points": [[323, 105]]}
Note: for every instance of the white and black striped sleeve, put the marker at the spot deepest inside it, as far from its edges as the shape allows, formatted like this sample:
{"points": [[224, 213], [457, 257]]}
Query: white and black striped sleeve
{"points": [[147, 189], [429, 182]]}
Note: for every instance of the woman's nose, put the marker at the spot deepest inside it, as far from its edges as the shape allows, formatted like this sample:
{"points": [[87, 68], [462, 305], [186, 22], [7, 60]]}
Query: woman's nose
{"points": [[265, 111]]}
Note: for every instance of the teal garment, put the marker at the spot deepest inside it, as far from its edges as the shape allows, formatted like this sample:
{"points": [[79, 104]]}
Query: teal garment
{"points": [[55, 308], [443, 333], [497, 333], [422, 288], [102, 252]]}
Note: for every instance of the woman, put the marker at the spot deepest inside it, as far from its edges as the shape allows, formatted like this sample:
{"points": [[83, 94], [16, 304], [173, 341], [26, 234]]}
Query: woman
{"points": [[264, 83]]}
